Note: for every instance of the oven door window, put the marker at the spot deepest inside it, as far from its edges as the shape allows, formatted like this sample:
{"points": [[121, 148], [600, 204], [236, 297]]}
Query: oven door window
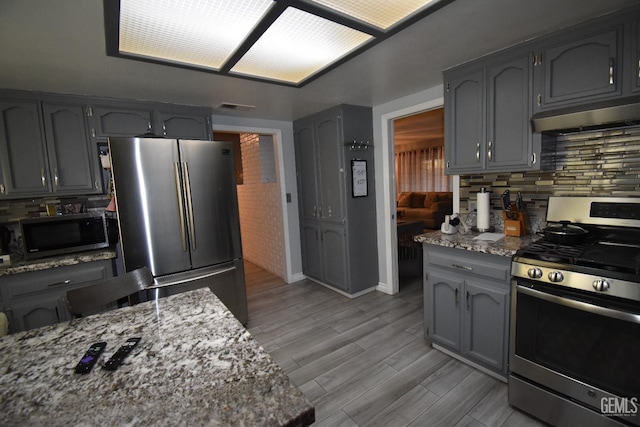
{"points": [[583, 344]]}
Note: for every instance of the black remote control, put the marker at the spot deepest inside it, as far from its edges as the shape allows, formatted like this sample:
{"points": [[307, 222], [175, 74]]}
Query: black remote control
{"points": [[90, 358], [119, 356]]}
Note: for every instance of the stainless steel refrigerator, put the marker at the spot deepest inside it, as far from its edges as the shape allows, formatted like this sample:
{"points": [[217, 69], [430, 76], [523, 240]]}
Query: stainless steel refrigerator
{"points": [[178, 215]]}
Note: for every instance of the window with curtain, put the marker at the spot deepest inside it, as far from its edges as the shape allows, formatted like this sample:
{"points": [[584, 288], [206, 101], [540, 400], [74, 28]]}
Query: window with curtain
{"points": [[421, 170]]}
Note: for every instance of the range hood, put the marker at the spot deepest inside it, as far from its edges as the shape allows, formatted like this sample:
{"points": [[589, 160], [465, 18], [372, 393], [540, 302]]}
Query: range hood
{"points": [[599, 115]]}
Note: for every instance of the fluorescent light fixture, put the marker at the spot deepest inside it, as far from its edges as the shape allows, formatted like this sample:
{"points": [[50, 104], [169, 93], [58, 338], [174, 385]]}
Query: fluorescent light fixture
{"points": [[297, 45], [288, 42], [381, 13]]}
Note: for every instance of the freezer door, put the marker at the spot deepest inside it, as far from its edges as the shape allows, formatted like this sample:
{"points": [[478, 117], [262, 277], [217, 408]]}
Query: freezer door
{"points": [[211, 201], [149, 195]]}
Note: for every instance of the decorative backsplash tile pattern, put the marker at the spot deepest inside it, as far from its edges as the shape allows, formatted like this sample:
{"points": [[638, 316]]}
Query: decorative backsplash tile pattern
{"points": [[595, 163]]}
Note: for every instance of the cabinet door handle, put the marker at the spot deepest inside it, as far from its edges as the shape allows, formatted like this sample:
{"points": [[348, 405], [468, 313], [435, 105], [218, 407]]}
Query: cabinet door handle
{"points": [[478, 152], [610, 71], [457, 296], [489, 151], [64, 282], [164, 129], [539, 100], [2, 189], [464, 267], [149, 126], [42, 178], [533, 159], [56, 180], [468, 301]]}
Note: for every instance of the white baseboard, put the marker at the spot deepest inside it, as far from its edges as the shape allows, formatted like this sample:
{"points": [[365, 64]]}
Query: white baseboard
{"points": [[343, 293], [385, 288], [296, 278]]}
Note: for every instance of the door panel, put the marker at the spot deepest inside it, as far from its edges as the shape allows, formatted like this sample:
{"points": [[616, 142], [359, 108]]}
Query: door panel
{"points": [[509, 112], [23, 161], [68, 149], [331, 170], [146, 188], [464, 120], [306, 170], [210, 189], [485, 323], [445, 296]]}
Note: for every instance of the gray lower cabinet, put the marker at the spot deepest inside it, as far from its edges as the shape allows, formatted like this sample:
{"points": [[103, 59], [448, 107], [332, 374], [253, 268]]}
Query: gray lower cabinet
{"points": [[466, 305], [338, 229], [487, 111], [35, 299]]}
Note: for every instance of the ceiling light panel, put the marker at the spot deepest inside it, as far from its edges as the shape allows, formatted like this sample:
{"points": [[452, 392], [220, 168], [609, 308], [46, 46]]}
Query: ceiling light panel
{"points": [[197, 32], [297, 45], [381, 13]]}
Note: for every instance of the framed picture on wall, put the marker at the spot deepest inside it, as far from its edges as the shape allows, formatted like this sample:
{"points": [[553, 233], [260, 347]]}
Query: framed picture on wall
{"points": [[359, 174]]}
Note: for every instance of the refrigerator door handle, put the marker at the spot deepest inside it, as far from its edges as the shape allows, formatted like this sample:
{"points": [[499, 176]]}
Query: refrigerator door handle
{"points": [[190, 219], [183, 235]]}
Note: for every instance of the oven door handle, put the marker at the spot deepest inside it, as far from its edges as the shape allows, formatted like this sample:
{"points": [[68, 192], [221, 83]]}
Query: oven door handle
{"points": [[580, 305]]}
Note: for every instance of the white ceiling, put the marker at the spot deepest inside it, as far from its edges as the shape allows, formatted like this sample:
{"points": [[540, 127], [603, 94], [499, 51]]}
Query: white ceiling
{"points": [[58, 46]]}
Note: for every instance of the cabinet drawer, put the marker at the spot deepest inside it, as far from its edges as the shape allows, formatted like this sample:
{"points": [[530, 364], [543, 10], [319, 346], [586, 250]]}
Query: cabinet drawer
{"points": [[60, 278], [479, 267]]}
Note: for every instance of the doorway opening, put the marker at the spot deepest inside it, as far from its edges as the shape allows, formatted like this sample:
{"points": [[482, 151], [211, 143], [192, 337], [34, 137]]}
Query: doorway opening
{"points": [[259, 200], [423, 193]]}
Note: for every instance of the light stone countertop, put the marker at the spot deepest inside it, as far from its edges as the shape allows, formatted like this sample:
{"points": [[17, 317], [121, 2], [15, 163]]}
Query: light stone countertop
{"points": [[23, 266], [506, 246], [195, 365]]}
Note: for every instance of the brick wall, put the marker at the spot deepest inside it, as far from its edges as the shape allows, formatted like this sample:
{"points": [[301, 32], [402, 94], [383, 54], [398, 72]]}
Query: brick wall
{"points": [[596, 163], [260, 212]]}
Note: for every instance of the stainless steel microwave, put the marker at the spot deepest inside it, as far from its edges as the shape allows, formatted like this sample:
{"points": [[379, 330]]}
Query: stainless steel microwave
{"points": [[63, 234]]}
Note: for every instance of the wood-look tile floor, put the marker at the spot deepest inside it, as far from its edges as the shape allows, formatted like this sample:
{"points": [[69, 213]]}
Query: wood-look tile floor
{"points": [[365, 362]]}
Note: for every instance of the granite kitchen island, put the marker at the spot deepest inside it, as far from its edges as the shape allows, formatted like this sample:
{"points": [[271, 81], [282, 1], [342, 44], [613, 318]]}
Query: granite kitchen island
{"points": [[195, 365]]}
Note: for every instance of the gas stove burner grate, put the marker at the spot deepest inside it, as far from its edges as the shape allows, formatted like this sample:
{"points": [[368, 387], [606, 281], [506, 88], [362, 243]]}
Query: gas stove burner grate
{"points": [[552, 252]]}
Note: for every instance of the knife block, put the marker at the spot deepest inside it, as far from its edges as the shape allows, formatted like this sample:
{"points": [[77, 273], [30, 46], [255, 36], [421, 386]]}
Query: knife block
{"points": [[514, 227]]}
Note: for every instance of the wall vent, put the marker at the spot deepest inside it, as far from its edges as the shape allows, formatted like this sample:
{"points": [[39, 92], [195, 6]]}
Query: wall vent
{"points": [[236, 107]]}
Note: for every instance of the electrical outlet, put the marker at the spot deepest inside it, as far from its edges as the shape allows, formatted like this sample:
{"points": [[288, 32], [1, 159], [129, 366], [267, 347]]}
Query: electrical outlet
{"points": [[472, 206]]}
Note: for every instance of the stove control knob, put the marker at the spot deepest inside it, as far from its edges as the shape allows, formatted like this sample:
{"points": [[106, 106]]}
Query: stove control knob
{"points": [[534, 273], [601, 285], [556, 276]]}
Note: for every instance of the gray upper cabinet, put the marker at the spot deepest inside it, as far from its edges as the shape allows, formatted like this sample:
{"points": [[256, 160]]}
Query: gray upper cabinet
{"points": [[510, 141], [464, 121], [581, 67], [48, 142], [73, 163], [487, 111], [23, 159], [337, 230], [184, 125], [109, 121]]}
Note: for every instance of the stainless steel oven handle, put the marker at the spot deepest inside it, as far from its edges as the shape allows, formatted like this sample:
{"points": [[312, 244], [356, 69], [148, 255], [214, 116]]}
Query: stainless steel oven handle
{"points": [[583, 306]]}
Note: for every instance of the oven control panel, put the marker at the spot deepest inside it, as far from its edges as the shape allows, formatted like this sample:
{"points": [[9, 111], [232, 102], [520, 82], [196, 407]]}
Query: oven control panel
{"points": [[576, 280]]}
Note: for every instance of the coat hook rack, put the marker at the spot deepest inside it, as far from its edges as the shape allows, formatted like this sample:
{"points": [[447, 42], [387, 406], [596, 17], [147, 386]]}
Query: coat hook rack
{"points": [[359, 145]]}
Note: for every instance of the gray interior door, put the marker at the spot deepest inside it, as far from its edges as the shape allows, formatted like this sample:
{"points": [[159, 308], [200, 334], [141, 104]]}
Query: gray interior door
{"points": [[211, 201], [148, 188]]}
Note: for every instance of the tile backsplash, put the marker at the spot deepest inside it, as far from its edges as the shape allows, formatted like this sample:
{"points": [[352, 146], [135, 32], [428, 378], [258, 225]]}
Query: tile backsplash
{"points": [[594, 163]]}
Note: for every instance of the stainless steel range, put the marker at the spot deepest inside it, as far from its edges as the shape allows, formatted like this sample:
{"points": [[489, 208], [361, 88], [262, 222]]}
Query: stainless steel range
{"points": [[574, 354]]}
